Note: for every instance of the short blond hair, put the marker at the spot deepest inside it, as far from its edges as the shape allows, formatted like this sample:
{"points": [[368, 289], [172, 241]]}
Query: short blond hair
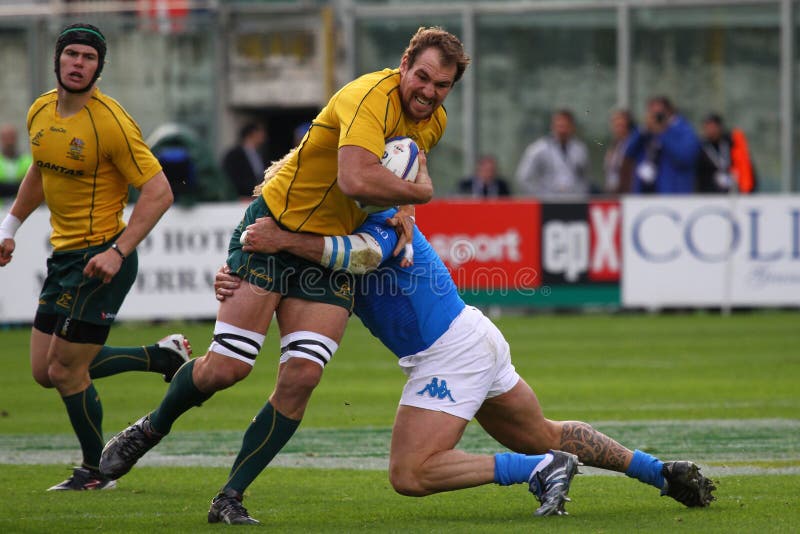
{"points": [[451, 48]]}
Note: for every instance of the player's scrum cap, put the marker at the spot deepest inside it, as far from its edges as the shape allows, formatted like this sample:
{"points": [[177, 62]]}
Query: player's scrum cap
{"points": [[84, 34]]}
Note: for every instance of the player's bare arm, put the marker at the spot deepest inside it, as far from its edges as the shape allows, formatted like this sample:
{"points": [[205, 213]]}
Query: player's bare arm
{"points": [[363, 252], [156, 197], [363, 178], [267, 237]]}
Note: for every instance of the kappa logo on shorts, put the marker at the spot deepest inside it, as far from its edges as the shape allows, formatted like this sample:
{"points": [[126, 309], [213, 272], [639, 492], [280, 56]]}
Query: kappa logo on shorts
{"points": [[437, 390]]}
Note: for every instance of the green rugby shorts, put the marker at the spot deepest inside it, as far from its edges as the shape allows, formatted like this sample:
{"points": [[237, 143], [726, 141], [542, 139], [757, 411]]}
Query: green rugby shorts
{"points": [[66, 291], [285, 273]]}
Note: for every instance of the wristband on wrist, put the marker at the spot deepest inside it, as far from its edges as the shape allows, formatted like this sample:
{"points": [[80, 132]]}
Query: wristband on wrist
{"points": [[116, 249], [9, 227]]}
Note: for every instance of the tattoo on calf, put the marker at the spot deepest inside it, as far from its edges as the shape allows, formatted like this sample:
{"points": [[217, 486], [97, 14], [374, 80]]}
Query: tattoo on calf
{"points": [[592, 447]]}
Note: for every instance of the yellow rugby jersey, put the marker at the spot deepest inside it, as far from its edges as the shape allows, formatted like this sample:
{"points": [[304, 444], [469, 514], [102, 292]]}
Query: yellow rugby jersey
{"points": [[304, 195], [87, 161]]}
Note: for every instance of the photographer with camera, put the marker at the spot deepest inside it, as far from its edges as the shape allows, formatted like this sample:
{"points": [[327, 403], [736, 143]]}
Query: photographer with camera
{"points": [[664, 152]]}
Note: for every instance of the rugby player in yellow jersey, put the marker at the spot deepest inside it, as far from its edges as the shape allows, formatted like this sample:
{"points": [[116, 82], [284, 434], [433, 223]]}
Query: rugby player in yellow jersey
{"points": [[86, 151], [314, 190]]}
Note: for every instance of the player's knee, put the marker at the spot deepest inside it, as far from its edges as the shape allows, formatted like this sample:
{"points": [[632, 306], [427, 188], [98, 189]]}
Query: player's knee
{"points": [[304, 355], [402, 483], [59, 375], [39, 369], [41, 376], [407, 482], [296, 382], [409, 478], [298, 377], [219, 373]]}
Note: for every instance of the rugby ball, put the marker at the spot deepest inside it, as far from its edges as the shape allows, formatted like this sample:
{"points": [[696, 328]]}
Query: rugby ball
{"points": [[401, 156]]}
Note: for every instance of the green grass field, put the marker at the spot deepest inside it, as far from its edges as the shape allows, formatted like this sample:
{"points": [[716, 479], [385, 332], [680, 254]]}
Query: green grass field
{"points": [[722, 391]]}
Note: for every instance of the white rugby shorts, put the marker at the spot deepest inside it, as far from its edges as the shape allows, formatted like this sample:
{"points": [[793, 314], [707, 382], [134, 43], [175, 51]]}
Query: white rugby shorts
{"points": [[470, 363]]}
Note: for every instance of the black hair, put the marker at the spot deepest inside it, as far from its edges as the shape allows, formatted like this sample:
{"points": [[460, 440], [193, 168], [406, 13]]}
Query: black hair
{"points": [[247, 129]]}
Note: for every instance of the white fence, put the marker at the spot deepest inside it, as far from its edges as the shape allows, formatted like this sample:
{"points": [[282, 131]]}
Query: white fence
{"points": [[706, 251], [711, 251], [177, 263]]}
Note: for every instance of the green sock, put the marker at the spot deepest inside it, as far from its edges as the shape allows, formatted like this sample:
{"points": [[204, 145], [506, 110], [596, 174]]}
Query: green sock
{"points": [[86, 415], [181, 395], [112, 360], [265, 437]]}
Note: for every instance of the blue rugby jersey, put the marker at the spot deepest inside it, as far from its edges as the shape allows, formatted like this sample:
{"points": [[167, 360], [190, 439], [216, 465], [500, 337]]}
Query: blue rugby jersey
{"points": [[408, 309]]}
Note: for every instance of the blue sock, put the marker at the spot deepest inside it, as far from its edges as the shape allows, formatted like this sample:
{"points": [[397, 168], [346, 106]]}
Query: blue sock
{"points": [[646, 468], [512, 468]]}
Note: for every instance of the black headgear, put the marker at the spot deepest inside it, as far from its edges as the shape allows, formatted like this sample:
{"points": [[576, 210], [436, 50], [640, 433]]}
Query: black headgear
{"points": [[84, 34]]}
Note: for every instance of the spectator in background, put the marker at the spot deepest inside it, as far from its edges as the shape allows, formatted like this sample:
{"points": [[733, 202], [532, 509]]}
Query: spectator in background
{"points": [[555, 165], [485, 183], [617, 168], [664, 153], [244, 163], [13, 163], [724, 163]]}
